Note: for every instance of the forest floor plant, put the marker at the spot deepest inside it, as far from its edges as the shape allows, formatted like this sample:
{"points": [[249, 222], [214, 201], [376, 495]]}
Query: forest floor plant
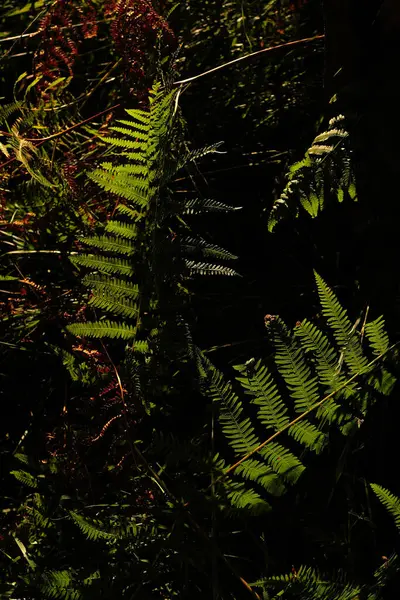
{"points": [[133, 465]]}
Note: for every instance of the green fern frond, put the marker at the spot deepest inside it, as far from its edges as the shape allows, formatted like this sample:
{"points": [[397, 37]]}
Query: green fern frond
{"points": [[130, 212], [282, 461], [308, 367], [112, 286], [245, 499], [200, 153], [389, 501], [259, 383], [138, 134], [114, 304], [306, 583], [110, 329], [199, 268], [25, 478], [93, 529], [328, 135], [292, 365], [326, 359], [124, 186], [302, 386], [344, 332], [103, 264], [109, 244], [136, 124], [23, 458], [138, 170], [312, 203], [193, 245], [198, 206], [9, 109], [8, 278], [326, 171], [59, 585], [141, 116], [238, 431], [315, 343], [376, 335], [383, 575], [124, 143], [258, 472]]}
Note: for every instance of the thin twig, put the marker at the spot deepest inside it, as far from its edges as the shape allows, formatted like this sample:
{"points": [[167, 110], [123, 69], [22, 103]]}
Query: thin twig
{"points": [[54, 27], [236, 60], [364, 323], [24, 34]]}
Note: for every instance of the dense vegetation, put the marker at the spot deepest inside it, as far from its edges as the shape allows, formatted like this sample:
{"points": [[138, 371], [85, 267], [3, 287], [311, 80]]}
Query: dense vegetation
{"points": [[199, 299]]}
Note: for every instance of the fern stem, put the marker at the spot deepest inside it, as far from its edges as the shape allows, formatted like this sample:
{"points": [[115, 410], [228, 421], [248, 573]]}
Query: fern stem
{"points": [[304, 414], [236, 60]]}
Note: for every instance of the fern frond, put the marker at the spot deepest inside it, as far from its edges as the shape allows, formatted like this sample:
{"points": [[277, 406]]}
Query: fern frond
{"points": [[314, 342], [193, 245], [292, 365], [258, 382], [308, 584], [109, 329], [326, 167], [126, 230], [141, 116], [130, 212], [8, 278], [25, 478], [125, 186], [103, 264], [389, 501], [198, 206], [59, 585], [198, 268], [124, 143], [199, 153], [258, 472], [136, 124], [115, 287], [138, 170], [114, 304], [9, 109], [282, 461], [239, 431], [138, 134], [93, 529], [376, 335], [302, 386], [109, 244], [383, 574], [244, 498], [343, 330]]}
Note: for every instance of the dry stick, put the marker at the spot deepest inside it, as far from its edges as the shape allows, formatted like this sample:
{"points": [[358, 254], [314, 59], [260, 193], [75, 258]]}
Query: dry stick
{"points": [[135, 451], [24, 34], [54, 27], [304, 414], [236, 60], [58, 134]]}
